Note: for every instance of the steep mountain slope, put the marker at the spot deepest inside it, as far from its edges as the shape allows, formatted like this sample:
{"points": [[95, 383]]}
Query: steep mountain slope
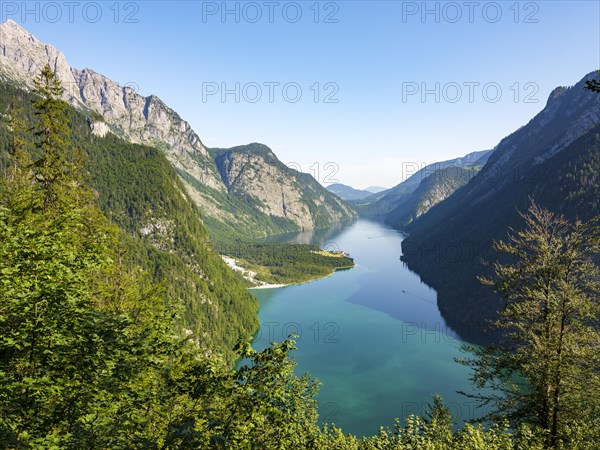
{"points": [[438, 186], [262, 197], [120, 110], [139, 191], [553, 159], [347, 192], [123, 111], [384, 202]]}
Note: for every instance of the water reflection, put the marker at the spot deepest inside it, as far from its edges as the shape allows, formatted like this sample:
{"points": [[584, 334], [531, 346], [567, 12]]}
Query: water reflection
{"points": [[319, 237], [373, 335]]}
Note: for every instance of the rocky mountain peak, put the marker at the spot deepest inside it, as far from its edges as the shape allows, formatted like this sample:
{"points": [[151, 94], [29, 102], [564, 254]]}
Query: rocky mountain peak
{"points": [[557, 92], [253, 172], [10, 27], [22, 57], [569, 112], [128, 114]]}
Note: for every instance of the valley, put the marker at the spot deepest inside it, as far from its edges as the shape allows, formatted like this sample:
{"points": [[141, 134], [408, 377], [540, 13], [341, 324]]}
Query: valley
{"points": [[160, 292], [372, 335]]}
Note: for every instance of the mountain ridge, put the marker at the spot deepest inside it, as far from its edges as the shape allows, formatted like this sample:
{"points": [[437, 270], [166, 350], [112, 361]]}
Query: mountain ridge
{"points": [[538, 161], [130, 115], [346, 192], [434, 189], [161, 230], [253, 171], [382, 203], [376, 189], [149, 121]]}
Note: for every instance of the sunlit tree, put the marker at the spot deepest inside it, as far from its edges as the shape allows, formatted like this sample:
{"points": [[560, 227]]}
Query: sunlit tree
{"points": [[546, 371]]}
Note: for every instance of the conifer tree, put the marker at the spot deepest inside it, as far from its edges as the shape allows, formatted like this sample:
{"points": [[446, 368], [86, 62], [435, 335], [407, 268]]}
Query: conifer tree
{"points": [[17, 178], [593, 85], [546, 372], [19, 145], [52, 134], [83, 340]]}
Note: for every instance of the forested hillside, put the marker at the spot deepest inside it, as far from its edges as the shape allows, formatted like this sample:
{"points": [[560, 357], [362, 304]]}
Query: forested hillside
{"points": [[274, 200], [95, 352], [139, 191], [283, 263]]}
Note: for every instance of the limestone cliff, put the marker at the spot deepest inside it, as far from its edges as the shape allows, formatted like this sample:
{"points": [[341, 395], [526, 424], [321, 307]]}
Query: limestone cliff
{"points": [[265, 197], [254, 172], [143, 120], [434, 189]]}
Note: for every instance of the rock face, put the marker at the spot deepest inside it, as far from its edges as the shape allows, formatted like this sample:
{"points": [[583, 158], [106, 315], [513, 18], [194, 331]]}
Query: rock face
{"points": [[138, 119], [434, 189], [383, 203], [22, 57], [99, 128], [147, 120], [253, 172]]}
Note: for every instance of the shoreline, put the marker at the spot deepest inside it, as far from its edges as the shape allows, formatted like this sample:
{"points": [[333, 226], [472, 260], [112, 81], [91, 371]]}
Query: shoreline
{"points": [[276, 286], [270, 286], [249, 275]]}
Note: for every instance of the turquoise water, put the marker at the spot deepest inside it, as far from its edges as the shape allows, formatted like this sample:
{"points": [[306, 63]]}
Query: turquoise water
{"points": [[372, 335]]}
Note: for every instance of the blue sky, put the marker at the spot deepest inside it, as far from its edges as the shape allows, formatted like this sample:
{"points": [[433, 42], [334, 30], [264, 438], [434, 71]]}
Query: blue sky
{"points": [[487, 68]]}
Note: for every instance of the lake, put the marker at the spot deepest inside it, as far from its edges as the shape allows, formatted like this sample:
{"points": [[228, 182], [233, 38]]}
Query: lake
{"points": [[373, 335]]}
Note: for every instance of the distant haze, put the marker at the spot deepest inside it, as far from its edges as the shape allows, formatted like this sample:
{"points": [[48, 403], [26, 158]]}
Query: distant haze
{"points": [[375, 189]]}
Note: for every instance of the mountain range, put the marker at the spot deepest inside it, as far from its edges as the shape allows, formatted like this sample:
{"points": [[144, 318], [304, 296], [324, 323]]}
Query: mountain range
{"points": [[165, 190], [231, 193], [161, 228], [158, 182], [375, 189], [348, 192], [435, 188], [383, 203]]}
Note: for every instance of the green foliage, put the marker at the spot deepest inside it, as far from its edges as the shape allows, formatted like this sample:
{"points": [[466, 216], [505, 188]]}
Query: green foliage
{"points": [[18, 145], [141, 193], [546, 370], [79, 333], [52, 137], [92, 350], [162, 232], [73, 339], [284, 263], [261, 405], [438, 413]]}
